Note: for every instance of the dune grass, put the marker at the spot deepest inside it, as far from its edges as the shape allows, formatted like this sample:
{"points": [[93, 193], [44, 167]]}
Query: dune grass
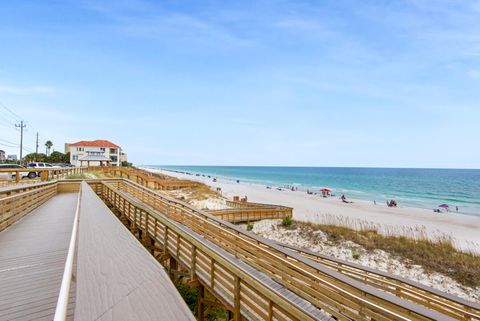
{"points": [[439, 255], [87, 175]]}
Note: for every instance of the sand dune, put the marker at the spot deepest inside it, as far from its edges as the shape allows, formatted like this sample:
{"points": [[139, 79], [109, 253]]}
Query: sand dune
{"points": [[464, 229]]}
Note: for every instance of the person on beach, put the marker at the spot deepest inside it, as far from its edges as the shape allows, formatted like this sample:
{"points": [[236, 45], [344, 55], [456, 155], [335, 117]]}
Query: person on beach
{"points": [[374, 202]]}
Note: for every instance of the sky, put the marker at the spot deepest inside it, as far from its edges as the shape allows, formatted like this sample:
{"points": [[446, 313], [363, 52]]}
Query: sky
{"points": [[268, 83]]}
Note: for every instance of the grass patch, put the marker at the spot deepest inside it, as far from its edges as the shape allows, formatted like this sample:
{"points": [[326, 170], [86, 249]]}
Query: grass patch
{"points": [[433, 255], [74, 176], [287, 221], [86, 175], [190, 296]]}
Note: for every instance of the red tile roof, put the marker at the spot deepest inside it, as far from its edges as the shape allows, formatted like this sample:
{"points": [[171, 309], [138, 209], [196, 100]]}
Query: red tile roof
{"points": [[95, 143]]}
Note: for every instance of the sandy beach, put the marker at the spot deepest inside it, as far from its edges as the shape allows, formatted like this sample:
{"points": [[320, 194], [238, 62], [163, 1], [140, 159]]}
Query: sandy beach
{"points": [[463, 229]]}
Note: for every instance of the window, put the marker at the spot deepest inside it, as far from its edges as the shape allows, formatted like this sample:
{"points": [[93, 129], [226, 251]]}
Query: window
{"points": [[80, 149], [113, 150], [102, 149]]}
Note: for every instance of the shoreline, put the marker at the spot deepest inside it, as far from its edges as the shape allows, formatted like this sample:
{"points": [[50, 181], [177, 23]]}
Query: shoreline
{"points": [[409, 221], [356, 194]]}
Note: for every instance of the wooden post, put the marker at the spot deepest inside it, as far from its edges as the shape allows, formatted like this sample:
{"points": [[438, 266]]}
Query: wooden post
{"points": [[17, 176], [200, 304], [173, 266], [236, 305]]}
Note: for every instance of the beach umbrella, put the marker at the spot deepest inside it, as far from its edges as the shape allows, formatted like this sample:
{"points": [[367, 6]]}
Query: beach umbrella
{"points": [[444, 206], [326, 190]]}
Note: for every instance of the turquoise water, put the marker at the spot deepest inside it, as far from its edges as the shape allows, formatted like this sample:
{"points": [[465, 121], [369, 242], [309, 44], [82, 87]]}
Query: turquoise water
{"points": [[424, 188]]}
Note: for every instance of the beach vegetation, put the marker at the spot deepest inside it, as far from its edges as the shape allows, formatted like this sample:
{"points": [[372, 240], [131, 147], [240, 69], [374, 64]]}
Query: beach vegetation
{"points": [[126, 164], [86, 175], [249, 226], [190, 296], [287, 221], [355, 254], [434, 255], [54, 157]]}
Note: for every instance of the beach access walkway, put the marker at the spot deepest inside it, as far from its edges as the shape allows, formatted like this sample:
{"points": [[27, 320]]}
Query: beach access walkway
{"points": [[112, 249], [114, 277], [32, 260]]}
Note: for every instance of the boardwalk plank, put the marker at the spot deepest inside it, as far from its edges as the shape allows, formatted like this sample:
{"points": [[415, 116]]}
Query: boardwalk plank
{"points": [[117, 279], [32, 258]]}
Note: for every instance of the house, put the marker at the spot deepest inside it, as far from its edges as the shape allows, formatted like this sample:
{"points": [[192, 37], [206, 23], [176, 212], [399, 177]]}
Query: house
{"points": [[95, 153], [2, 155], [12, 158]]}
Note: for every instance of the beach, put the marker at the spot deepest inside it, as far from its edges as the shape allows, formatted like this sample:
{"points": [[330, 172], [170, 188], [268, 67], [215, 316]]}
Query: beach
{"points": [[410, 221]]}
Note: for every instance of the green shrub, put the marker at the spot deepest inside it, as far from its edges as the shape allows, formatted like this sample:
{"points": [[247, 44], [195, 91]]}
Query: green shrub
{"points": [[249, 226], [287, 221]]}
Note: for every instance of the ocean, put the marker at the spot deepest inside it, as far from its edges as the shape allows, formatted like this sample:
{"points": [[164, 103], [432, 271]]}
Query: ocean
{"points": [[423, 188]]}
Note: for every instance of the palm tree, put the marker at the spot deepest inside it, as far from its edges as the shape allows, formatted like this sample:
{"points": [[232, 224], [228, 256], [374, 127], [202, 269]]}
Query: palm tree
{"points": [[48, 145]]}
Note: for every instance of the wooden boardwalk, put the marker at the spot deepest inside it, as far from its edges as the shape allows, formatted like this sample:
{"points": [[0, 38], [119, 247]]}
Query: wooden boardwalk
{"points": [[32, 260], [117, 278]]}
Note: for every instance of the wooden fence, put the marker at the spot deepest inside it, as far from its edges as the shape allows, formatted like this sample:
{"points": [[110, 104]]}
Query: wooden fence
{"points": [[44, 173], [146, 178], [338, 295], [245, 293], [215, 252], [15, 206], [429, 297], [251, 212]]}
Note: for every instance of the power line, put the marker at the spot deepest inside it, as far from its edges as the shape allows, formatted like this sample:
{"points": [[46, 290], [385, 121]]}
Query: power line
{"points": [[3, 118], [7, 145], [10, 111], [8, 142]]}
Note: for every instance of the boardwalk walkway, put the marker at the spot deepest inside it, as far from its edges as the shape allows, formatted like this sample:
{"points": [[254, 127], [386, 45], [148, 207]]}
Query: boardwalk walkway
{"points": [[32, 260], [117, 278]]}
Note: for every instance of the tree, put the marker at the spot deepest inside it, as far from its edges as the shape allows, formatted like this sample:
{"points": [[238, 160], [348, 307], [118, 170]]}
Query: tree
{"points": [[35, 157], [56, 157], [48, 145]]}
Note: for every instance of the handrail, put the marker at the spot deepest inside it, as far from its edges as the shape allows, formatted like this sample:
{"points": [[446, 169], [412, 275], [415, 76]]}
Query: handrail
{"points": [[274, 251], [62, 302], [471, 308], [370, 272]]}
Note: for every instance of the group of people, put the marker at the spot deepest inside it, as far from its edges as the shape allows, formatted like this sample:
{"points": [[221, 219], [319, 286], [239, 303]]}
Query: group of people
{"points": [[392, 203]]}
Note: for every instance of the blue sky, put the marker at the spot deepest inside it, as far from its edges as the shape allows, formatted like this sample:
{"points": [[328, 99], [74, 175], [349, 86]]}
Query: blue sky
{"points": [[313, 83]]}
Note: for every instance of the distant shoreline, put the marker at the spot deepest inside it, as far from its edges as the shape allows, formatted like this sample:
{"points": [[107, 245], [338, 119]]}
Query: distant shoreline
{"points": [[314, 208], [419, 197]]}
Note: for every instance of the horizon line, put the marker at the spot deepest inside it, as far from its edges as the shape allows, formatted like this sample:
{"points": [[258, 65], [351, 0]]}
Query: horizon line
{"points": [[310, 166]]}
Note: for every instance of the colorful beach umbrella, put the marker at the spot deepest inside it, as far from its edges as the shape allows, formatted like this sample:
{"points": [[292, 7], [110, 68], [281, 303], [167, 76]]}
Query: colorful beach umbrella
{"points": [[326, 190], [444, 206]]}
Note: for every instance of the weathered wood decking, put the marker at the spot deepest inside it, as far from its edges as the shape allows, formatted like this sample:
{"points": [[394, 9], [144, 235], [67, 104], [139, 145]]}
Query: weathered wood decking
{"points": [[32, 260], [117, 278]]}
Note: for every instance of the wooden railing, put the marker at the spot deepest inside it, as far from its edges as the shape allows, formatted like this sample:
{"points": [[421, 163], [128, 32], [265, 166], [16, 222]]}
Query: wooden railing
{"points": [[44, 173], [429, 297], [209, 247], [251, 212], [146, 178], [232, 282], [16, 206], [339, 295]]}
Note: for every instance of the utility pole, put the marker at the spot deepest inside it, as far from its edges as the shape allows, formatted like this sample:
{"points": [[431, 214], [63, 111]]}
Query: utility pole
{"points": [[36, 148], [21, 126]]}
